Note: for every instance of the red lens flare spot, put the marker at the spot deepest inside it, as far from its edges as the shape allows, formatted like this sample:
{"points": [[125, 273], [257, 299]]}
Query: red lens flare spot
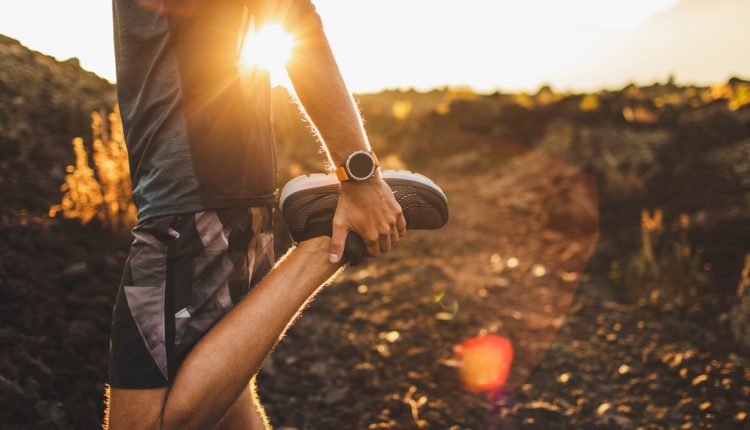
{"points": [[485, 362]]}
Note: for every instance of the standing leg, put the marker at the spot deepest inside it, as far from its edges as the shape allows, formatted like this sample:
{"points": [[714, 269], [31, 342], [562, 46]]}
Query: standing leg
{"points": [[246, 413]]}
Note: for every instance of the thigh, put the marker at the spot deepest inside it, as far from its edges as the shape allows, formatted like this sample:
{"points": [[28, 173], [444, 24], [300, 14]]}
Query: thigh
{"points": [[135, 409], [183, 274]]}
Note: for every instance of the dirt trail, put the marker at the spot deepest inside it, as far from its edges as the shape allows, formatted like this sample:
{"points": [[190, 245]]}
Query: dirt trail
{"points": [[370, 348], [512, 257], [379, 335]]}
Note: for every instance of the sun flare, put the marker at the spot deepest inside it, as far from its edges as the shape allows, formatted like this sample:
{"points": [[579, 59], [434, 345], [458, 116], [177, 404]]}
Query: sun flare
{"points": [[268, 48]]}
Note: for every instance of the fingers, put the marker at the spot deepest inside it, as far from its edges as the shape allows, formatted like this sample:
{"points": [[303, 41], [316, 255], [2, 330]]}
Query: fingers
{"points": [[401, 225], [373, 215], [372, 243], [338, 238], [387, 234], [385, 242], [395, 236]]}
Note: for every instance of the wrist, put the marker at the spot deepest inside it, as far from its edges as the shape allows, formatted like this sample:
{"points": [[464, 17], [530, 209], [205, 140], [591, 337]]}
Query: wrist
{"points": [[360, 166], [376, 177]]}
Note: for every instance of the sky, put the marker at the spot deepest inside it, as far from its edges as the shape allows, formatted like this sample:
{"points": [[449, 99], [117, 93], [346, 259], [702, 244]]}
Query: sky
{"points": [[514, 45]]}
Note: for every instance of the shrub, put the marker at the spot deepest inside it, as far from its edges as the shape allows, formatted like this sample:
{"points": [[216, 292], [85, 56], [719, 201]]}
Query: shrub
{"points": [[666, 265], [104, 192]]}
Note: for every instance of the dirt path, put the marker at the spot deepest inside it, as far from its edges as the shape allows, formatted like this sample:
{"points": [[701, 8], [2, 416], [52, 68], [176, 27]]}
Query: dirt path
{"points": [[376, 349], [378, 338], [370, 347]]}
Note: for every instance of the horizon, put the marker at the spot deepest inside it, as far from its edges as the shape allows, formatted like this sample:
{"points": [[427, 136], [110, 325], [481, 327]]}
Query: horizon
{"points": [[581, 46]]}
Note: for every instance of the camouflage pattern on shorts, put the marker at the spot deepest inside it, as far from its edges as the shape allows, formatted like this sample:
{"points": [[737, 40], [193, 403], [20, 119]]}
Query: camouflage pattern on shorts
{"points": [[183, 274]]}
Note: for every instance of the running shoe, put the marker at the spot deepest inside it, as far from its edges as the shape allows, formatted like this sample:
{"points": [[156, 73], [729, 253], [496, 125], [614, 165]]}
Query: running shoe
{"points": [[308, 204]]}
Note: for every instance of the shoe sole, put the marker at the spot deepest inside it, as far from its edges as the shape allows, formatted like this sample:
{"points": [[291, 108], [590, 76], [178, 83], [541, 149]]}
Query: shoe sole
{"points": [[429, 217]]}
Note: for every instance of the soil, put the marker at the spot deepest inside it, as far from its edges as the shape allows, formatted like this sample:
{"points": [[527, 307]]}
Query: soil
{"points": [[508, 262], [525, 255]]}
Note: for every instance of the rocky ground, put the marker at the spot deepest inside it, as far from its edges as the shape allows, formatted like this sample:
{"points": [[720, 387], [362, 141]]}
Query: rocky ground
{"points": [[57, 283], [372, 345], [513, 273], [545, 191]]}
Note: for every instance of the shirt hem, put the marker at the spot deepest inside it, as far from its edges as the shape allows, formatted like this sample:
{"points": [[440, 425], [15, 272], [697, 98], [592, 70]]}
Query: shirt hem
{"points": [[216, 203], [136, 381]]}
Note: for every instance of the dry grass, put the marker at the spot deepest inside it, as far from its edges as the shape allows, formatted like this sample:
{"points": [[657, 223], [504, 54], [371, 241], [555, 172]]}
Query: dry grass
{"points": [[102, 192], [666, 265]]}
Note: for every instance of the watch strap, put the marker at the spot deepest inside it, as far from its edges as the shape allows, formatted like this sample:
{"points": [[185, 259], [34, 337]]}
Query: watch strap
{"points": [[341, 174]]}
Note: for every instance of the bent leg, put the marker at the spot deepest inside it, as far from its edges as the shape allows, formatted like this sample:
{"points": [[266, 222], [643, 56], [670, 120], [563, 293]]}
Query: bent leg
{"points": [[221, 364]]}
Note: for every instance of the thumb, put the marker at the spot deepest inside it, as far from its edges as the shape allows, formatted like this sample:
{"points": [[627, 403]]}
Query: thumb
{"points": [[338, 238]]}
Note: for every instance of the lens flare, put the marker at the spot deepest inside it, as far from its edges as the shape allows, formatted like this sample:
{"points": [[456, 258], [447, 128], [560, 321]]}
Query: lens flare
{"points": [[485, 362]]}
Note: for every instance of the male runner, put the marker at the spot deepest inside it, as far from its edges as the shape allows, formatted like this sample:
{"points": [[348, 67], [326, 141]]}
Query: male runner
{"points": [[199, 307]]}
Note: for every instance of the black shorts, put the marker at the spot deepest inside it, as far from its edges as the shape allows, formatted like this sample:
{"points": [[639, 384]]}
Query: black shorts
{"points": [[184, 273]]}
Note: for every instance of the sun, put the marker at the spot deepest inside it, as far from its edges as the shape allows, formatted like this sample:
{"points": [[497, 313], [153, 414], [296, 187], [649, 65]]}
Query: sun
{"points": [[268, 48]]}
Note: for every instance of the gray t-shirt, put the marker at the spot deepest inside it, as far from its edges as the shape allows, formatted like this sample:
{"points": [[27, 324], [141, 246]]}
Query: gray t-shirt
{"points": [[198, 130]]}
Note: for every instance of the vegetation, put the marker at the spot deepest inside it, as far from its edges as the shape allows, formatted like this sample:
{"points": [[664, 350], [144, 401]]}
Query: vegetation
{"points": [[103, 193], [519, 171], [666, 267]]}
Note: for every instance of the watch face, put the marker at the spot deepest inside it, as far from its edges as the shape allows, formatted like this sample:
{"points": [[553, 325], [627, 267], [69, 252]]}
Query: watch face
{"points": [[360, 165]]}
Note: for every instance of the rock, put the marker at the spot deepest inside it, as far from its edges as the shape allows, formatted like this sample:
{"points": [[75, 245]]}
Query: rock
{"points": [[51, 411], [76, 269], [733, 162], [319, 368], [622, 421], [572, 207], [336, 395]]}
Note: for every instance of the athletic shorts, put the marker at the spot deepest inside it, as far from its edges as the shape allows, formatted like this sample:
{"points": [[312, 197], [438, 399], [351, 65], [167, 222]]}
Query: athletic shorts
{"points": [[183, 274]]}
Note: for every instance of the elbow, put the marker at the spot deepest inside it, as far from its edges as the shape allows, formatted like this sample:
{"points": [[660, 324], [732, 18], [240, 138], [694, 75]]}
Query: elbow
{"points": [[302, 20]]}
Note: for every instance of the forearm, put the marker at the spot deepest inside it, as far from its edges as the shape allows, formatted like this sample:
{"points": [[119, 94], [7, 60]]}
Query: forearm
{"points": [[322, 92]]}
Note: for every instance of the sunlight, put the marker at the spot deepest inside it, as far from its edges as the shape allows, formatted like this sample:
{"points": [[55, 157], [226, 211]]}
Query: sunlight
{"points": [[269, 48], [579, 45]]}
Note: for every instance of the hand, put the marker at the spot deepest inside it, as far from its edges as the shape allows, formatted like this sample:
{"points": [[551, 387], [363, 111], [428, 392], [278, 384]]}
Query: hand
{"points": [[369, 209]]}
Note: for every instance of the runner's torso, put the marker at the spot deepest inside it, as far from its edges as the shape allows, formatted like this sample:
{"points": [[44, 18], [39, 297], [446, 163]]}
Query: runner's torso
{"points": [[198, 130]]}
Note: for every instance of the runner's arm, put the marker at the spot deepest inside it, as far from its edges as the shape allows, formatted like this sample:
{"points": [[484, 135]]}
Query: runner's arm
{"points": [[369, 207]]}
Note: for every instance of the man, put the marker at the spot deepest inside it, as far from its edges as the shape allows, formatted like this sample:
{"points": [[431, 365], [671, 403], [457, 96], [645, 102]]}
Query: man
{"points": [[199, 307]]}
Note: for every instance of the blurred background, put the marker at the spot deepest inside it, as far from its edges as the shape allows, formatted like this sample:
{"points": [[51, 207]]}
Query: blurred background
{"points": [[594, 273]]}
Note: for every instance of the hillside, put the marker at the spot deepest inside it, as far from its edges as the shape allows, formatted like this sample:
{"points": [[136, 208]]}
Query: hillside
{"points": [[43, 105], [603, 234]]}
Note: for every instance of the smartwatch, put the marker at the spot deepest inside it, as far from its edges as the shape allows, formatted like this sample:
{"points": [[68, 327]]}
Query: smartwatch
{"points": [[359, 166]]}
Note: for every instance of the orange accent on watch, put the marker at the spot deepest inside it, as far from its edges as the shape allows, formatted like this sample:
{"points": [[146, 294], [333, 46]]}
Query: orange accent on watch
{"points": [[341, 174]]}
